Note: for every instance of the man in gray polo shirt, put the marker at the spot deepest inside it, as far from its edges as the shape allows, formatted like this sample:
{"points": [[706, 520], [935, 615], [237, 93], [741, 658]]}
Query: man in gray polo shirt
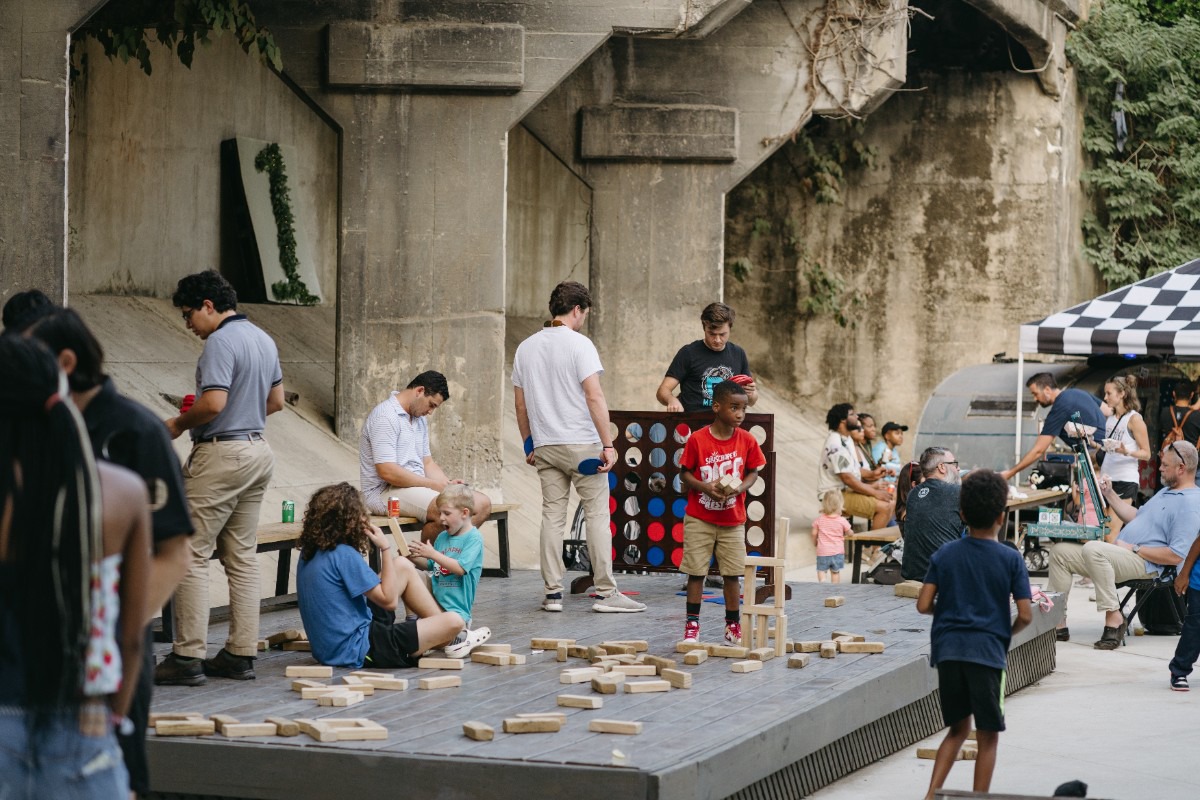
{"points": [[238, 383]]}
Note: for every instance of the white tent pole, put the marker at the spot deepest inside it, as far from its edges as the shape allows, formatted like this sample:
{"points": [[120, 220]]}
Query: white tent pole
{"points": [[1020, 410]]}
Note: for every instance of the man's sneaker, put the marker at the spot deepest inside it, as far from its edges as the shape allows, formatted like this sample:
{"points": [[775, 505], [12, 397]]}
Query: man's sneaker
{"points": [[179, 671], [1179, 683], [691, 630], [617, 603], [472, 640], [553, 602], [1110, 639], [227, 665], [733, 633]]}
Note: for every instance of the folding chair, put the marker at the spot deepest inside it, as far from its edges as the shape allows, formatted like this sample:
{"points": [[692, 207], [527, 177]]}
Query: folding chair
{"points": [[1165, 580]]}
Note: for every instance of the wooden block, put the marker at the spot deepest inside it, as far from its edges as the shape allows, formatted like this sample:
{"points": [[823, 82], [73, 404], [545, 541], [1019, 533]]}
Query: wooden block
{"points": [[861, 647], [808, 647], [387, 684], [317, 730], [969, 753], [618, 649], [854, 637], [302, 645], [493, 648], [677, 678], [263, 644], [316, 692], [789, 646], [595, 652], [173, 715], [635, 669], [579, 675], [517, 659], [313, 671], [931, 752], [356, 729], [828, 649], [358, 684], [548, 643], [185, 727], [761, 654], [284, 726], [366, 673], [238, 729], [221, 720], [398, 535], [440, 682], [577, 651], [834, 602], [479, 731], [747, 666], [840, 639], [290, 635], [695, 657], [494, 659], [300, 684], [560, 653], [543, 714], [440, 663], [580, 701], [614, 726], [623, 658], [641, 687], [533, 725], [971, 737], [660, 663], [687, 647], [798, 661], [909, 589], [608, 684], [638, 645], [340, 699], [728, 651]]}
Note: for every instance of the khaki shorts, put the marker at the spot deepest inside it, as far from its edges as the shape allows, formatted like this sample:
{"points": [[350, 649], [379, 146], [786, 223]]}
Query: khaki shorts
{"points": [[414, 500], [858, 505], [702, 539]]}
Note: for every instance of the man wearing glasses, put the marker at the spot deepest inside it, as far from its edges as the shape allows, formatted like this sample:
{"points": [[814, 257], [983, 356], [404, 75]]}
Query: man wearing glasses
{"points": [[932, 517], [1156, 535]]}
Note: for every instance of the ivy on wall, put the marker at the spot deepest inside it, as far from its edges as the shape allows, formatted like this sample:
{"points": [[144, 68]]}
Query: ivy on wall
{"points": [[270, 160]]}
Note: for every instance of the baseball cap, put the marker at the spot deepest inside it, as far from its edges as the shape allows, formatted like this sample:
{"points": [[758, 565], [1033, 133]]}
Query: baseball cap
{"points": [[893, 426]]}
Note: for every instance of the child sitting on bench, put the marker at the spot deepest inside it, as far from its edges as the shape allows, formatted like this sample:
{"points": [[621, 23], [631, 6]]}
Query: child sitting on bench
{"points": [[348, 610], [455, 562]]}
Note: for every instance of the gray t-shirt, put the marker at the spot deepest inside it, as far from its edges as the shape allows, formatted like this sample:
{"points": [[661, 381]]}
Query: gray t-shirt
{"points": [[240, 359], [932, 520]]}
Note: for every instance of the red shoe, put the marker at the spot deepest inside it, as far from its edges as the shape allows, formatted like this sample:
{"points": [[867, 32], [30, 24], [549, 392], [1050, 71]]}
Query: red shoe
{"points": [[691, 631], [733, 633]]}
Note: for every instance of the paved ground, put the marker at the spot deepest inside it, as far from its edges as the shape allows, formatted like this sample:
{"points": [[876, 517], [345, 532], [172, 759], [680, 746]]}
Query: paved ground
{"points": [[1106, 718]]}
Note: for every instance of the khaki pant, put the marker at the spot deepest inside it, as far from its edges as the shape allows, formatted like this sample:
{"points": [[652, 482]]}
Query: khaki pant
{"points": [[225, 482], [558, 469], [1106, 564]]}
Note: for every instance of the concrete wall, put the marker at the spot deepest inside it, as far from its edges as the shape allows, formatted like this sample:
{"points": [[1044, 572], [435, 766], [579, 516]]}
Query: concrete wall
{"points": [[546, 241], [145, 199], [967, 226]]}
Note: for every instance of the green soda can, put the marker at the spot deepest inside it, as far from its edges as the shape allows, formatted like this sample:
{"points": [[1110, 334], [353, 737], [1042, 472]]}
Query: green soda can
{"points": [[289, 511]]}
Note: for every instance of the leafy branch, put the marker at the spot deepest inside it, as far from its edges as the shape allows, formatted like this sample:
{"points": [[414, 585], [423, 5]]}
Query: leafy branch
{"points": [[270, 160]]}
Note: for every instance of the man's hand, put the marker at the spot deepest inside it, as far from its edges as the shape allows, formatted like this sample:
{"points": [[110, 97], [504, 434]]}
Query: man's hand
{"points": [[675, 407], [173, 429], [609, 456], [881, 494], [1106, 487], [1007, 474]]}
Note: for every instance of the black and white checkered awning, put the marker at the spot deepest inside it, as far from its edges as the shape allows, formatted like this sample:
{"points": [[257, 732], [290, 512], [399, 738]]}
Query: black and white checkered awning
{"points": [[1157, 316]]}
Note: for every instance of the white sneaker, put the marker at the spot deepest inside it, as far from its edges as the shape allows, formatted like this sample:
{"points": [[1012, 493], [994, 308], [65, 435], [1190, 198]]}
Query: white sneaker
{"points": [[474, 639], [553, 602], [617, 603]]}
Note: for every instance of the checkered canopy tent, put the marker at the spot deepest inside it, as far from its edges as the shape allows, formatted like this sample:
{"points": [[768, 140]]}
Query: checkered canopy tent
{"points": [[1157, 316]]}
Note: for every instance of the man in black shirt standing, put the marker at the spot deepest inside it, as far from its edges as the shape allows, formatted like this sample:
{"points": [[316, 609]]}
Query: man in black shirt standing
{"points": [[933, 518], [704, 363]]}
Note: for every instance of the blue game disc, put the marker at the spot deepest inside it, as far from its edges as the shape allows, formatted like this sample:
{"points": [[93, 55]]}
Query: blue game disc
{"points": [[655, 556], [528, 445], [590, 466], [679, 507], [656, 506]]}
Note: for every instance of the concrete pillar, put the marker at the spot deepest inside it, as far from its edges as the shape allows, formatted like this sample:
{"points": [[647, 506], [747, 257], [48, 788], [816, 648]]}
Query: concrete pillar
{"points": [[33, 139]]}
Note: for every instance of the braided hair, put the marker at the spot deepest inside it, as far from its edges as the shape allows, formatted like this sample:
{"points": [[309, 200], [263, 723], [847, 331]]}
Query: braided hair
{"points": [[50, 528]]}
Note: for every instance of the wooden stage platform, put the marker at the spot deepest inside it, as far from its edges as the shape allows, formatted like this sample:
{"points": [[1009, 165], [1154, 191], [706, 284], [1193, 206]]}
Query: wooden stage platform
{"points": [[775, 733]]}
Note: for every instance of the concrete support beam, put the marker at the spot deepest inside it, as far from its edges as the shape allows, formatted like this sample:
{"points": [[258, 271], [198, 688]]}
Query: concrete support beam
{"points": [[666, 133], [1040, 27], [427, 55]]}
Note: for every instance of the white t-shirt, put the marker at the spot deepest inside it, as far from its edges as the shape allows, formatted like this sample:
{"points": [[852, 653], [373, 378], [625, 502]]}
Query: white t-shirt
{"points": [[836, 457], [550, 367]]}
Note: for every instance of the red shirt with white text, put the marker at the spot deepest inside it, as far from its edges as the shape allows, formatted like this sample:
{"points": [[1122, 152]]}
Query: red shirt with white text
{"points": [[709, 459]]}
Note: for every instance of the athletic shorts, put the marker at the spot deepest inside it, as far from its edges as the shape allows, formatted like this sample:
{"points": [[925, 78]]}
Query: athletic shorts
{"points": [[833, 563], [393, 644], [858, 505], [1126, 490], [701, 540], [969, 689]]}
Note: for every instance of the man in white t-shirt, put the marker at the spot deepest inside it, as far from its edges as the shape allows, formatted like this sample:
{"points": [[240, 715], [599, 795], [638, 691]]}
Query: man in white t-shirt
{"points": [[839, 471], [394, 458], [563, 418]]}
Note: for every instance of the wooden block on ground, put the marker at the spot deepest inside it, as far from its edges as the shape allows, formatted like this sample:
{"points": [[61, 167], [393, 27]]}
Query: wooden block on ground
{"points": [[635, 669], [761, 654], [284, 726], [641, 687], [516, 659], [909, 589], [687, 647], [579, 675], [440, 663], [340, 699], [357, 729], [828, 649], [638, 645], [479, 731], [358, 684], [618, 649], [577, 651], [316, 692], [595, 652], [808, 647], [854, 637], [560, 652], [493, 648], [302, 645], [238, 729], [695, 657], [548, 643], [580, 701], [544, 714], [289, 635], [300, 684], [728, 651], [533, 725], [798, 661], [221, 720], [494, 659], [173, 715], [440, 682], [834, 602], [366, 673], [386, 684], [185, 727], [608, 684], [747, 666], [660, 663], [311, 671], [624, 658], [614, 726], [677, 678], [931, 753], [317, 730], [861, 647], [789, 647]]}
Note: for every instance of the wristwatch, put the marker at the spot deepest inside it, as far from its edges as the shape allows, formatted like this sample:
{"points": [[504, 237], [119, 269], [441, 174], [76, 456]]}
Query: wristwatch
{"points": [[1136, 548]]}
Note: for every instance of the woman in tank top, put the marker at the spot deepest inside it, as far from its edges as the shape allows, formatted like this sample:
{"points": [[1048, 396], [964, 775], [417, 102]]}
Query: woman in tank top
{"points": [[1126, 443]]}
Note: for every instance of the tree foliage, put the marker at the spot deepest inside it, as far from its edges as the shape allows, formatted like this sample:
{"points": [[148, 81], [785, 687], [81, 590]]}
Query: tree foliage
{"points": [[1146, 195], [270, 161]]}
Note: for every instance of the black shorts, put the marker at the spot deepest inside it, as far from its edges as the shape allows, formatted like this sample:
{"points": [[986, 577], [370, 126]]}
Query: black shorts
{"points": [[133, 747], [393, 644], [969, 689], [1126, 490]]}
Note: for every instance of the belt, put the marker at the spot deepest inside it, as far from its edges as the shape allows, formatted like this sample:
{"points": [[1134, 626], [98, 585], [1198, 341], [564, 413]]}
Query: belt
{"points": [[231, 437]]}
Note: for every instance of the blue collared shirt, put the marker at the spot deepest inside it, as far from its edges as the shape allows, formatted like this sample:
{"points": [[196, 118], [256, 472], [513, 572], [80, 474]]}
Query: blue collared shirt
{"points": [[1170, 519]]}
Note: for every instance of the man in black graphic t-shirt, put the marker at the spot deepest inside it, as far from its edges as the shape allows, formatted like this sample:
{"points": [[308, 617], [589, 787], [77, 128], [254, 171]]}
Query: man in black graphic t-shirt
{"points": [[704, 363]]}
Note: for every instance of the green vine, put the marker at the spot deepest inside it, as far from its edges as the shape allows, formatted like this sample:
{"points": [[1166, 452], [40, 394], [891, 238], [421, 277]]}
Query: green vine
{"points": [[270, 160]]}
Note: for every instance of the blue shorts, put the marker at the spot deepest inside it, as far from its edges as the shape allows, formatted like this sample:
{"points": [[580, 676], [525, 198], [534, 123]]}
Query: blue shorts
{"points": [[833, 563]]}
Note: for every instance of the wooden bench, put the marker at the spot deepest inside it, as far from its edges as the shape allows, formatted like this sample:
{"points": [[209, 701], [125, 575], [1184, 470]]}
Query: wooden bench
{"points": [[856, 541], [281, 537]]}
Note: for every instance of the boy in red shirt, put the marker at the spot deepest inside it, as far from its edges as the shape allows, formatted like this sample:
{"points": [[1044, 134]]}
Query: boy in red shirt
{"points": [[715, 520]]}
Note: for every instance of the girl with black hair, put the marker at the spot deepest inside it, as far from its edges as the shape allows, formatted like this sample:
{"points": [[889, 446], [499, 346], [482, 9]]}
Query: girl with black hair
{"points": [[74, 551]]}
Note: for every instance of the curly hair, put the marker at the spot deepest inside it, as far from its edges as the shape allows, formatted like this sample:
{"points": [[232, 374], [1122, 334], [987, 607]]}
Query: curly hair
{"points": [[983, 499], [335, 515], [837, 415], [193, 290]]}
